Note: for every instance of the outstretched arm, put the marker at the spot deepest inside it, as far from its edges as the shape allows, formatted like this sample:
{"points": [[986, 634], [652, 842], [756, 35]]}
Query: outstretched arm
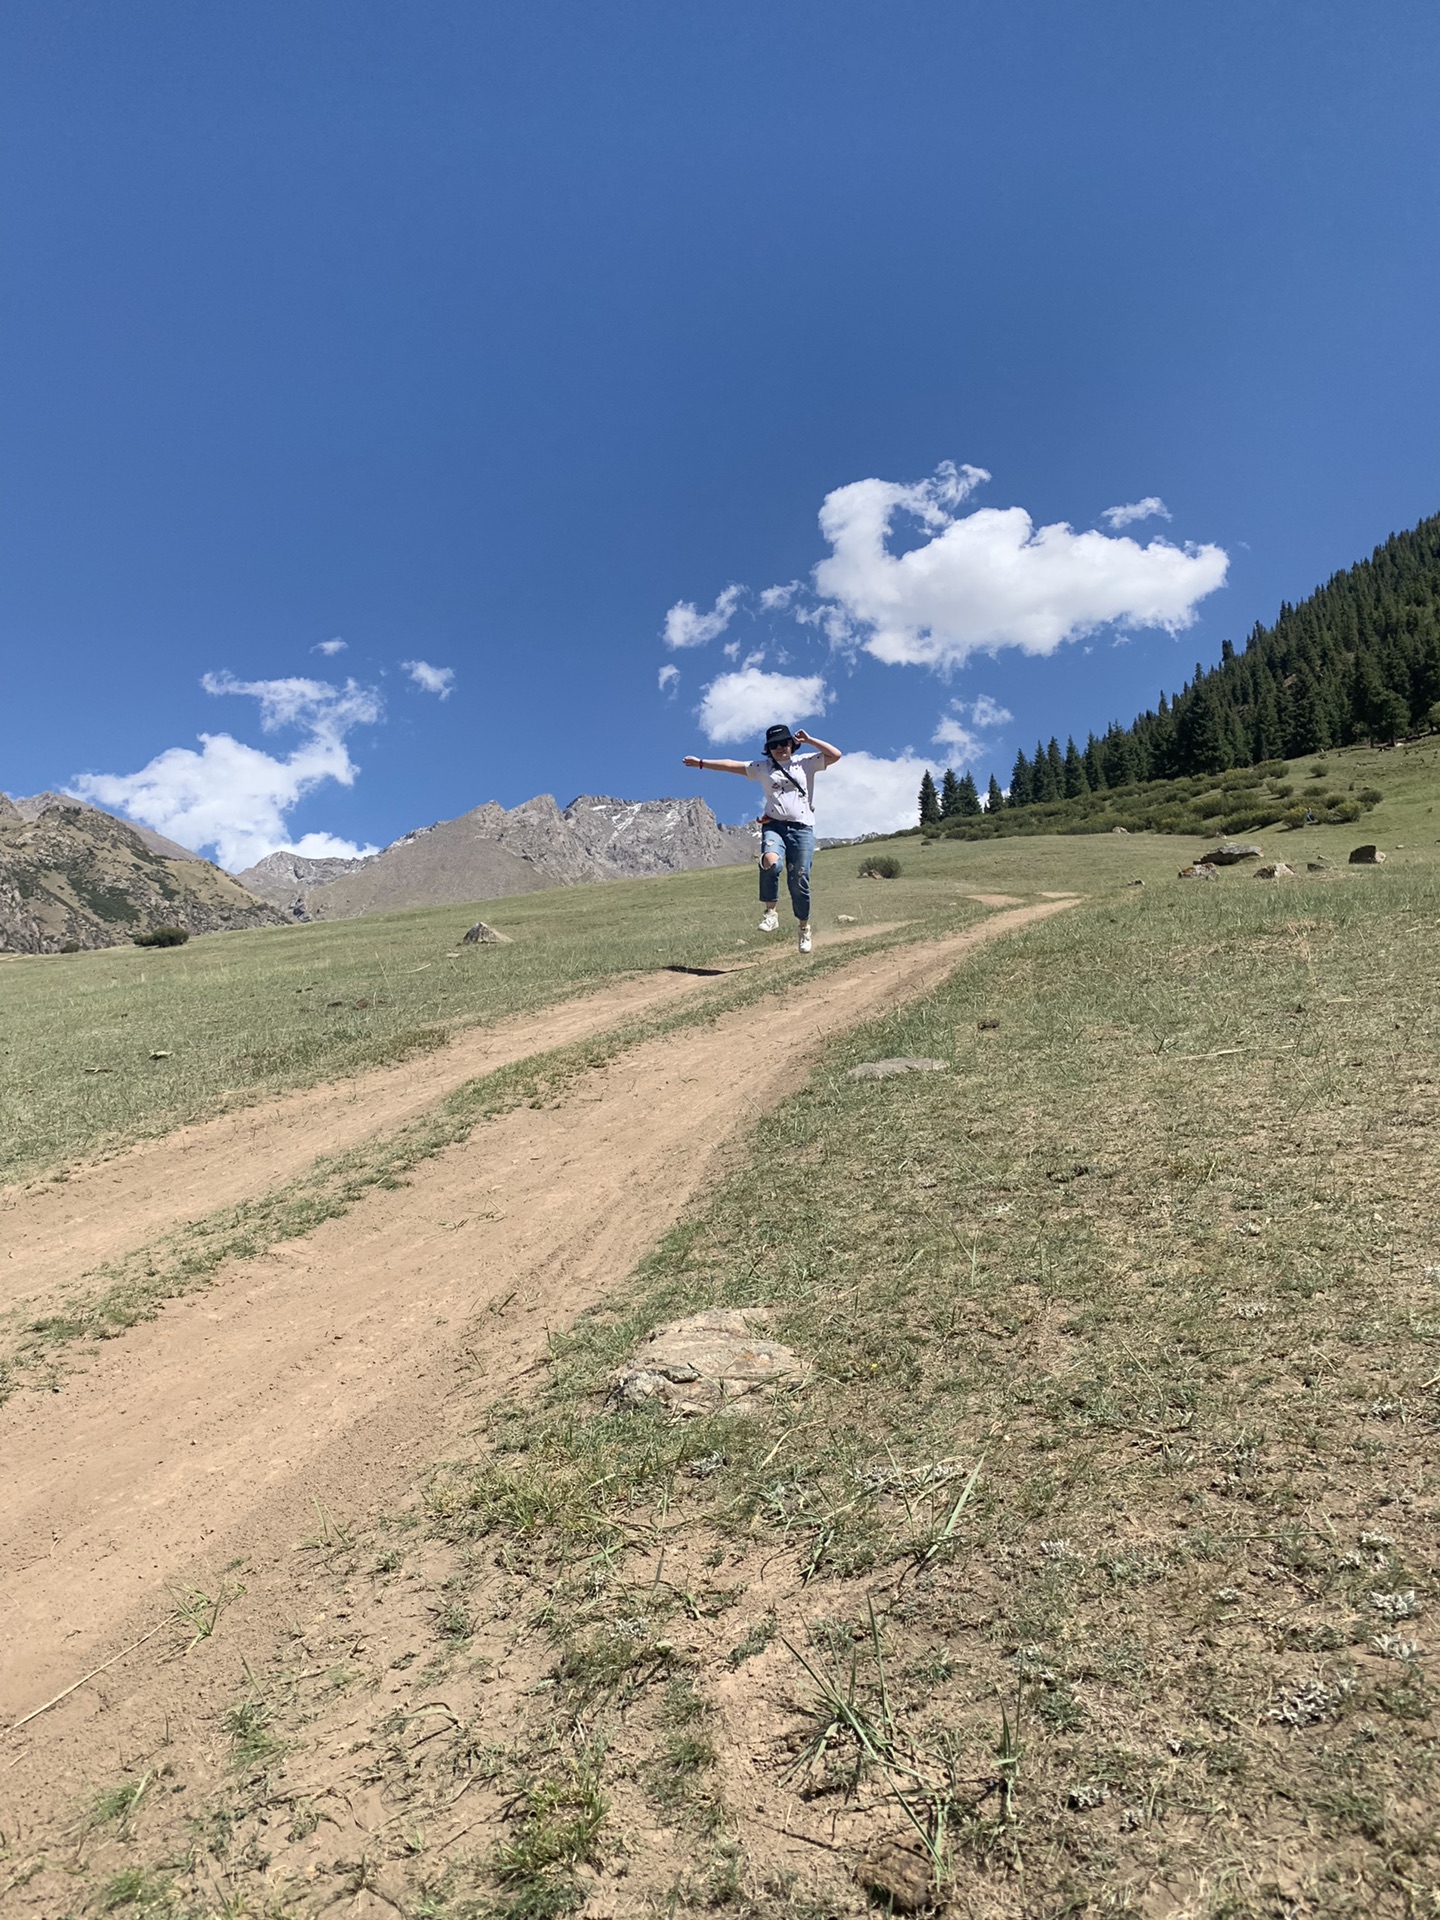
{"points": [[803, 739], [717, 766]]}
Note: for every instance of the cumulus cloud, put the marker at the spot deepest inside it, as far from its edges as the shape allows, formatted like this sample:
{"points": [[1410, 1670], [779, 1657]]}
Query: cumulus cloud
{"points": [[430, 679], [865, 793], [986, 712], [740, 704], [327, 647], [232, 798], [960, 743], [669, 677], [327, 846], [1152, 507], [686, 626], [989, 578]]}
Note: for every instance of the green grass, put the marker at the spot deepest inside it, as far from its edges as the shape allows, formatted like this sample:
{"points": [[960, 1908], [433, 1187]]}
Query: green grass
{"points": [[1127, 1341], [1343, 788], [242, 1015]]}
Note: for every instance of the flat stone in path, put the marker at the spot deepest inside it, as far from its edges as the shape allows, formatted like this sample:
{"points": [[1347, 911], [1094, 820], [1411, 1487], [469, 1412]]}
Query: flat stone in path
{"points": [[717, 1359], [882, 1069]]}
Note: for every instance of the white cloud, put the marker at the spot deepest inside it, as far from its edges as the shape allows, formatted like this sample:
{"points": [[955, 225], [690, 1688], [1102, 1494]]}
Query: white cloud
{"points": [[1152, 507], [775, 598], [233, 798], [669, 677], [430, 679], [327, 846], [867, 794], [336, 645], [686, 626], [956, 737], [986, 712], [990, 578], [739, 704]]}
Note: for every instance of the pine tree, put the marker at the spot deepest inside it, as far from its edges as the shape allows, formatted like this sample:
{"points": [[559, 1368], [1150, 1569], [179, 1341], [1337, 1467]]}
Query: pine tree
{"points": [[994, 798], [1202, 734], [1094, 765], [1022, 782], [1042, 777], [949, 795], [929, 802], [1076, 782], [967, 800], [1057, 769]]}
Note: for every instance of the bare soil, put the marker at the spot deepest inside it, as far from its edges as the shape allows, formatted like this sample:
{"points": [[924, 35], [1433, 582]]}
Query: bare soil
{"points": [[304, 1391]]}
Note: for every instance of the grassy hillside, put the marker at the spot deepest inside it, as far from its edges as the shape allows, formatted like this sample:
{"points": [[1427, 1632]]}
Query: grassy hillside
{"points": [[1156, 1261], [1393, 790], [244, 1014], [1094, 1562], [81, 878]]}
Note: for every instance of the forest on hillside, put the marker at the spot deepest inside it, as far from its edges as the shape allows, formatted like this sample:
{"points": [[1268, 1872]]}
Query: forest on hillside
{"points": [[1358, 662]]}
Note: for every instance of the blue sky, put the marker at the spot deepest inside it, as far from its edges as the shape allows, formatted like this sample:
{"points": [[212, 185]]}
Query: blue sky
{"points": [[484, 336]]}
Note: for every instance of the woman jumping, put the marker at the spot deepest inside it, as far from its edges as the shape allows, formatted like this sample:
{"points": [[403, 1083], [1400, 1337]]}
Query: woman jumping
{"points": [[788, 822]]}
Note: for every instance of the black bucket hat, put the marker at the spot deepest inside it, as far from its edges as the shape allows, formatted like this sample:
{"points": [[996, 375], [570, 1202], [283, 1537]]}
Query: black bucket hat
{"points": [[778, 736]]}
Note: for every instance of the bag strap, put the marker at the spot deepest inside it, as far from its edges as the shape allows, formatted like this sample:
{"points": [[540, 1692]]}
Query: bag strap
{"points": [[804, 792]]}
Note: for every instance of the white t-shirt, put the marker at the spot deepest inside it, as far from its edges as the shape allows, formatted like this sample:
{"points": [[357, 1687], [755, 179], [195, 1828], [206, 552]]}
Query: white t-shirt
{"points": [[783, 797]]}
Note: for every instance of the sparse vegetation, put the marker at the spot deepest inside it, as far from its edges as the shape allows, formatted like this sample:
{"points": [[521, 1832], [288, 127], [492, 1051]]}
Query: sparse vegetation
{"points": [[1095, 1557], [880, 866]]}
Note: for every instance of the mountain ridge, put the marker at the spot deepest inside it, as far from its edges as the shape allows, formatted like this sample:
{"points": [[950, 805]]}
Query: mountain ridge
{"points": [[492, 851]]}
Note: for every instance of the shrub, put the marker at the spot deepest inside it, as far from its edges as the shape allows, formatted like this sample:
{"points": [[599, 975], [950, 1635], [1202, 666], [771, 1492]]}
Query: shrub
{"points": [[162, 937], [880, 866], [1369, 796], [70, 946], [1209, 804]]}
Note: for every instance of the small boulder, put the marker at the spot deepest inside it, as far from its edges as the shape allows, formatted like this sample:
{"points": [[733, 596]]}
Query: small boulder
{"points": [[711, 1361], [882, 1069], [482, 935], [1318, 865], [1367, 857], [902, 1876], [845, 920], [1124, 830], [1274, 870], [1229, 854], [1200, 870]]}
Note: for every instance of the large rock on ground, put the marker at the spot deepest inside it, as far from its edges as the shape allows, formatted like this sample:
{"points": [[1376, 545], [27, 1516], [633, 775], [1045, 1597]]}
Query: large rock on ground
{"points": [[717, 1360], [1229, 854], [1274, 870], [1200, 870], [1367, 857]]}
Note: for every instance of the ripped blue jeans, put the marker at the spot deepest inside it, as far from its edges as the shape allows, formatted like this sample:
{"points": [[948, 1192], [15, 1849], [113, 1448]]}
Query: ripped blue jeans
{"points": [[795, 845]]}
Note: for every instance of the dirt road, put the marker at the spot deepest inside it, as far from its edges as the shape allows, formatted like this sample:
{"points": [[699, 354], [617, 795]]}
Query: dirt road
{"points": [[52, 1232], [332, 1370]]}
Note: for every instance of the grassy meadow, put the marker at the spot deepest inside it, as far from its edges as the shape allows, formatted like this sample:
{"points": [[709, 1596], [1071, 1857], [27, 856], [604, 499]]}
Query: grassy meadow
{"points": [[1095, 1562], [238, 1016], [1111, 1502]]}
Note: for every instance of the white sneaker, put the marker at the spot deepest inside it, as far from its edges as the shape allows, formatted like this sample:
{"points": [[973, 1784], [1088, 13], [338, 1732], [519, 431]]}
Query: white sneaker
{"points": [[769, 920], [804, 936]]}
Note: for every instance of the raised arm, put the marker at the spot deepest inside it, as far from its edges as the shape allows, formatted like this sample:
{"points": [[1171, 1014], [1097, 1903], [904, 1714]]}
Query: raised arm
{"points": [[803, 739], [717, 766]]}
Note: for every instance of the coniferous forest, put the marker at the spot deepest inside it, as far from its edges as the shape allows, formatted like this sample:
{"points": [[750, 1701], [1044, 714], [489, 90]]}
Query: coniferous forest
{"points": [[1356, 663]]}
